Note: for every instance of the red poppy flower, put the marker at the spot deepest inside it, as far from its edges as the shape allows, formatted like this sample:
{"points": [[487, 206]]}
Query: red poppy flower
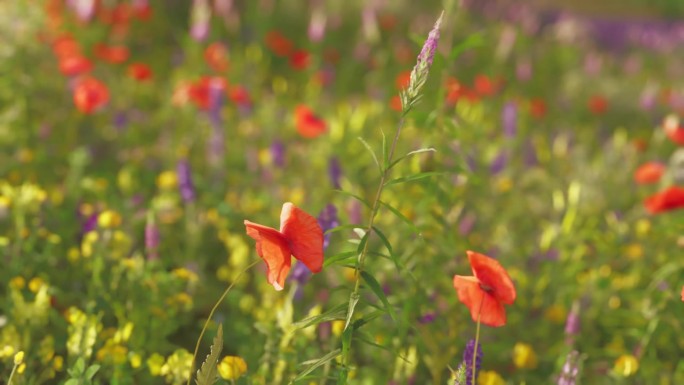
{"points": [[240, 96], [65, 46], [90, 94], [671, 198], [673, 130], [395, 103], [74, 65], [198, 92], [537, 108], [455, 91], [486, 293], [140, 72], [403, 79], [300, 236], [299, 59], [649, 173], [279, 44], [216, 56], [484, 86], [308, 124], [115, 54], [682, 293], [598, 105], [142, 11]]}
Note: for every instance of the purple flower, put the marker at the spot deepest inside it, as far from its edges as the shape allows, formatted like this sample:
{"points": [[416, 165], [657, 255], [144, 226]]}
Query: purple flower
{"points": [[499, 162], [572, 324], [90, 223], [427, 318], [570, 371], [468, 356], [509, 119], [335, 172], [199, 23], [185, 184], [278, 153], [327, 219], [467, 223], [151, 237], [427, 54], [84, 9], [316, 29]]}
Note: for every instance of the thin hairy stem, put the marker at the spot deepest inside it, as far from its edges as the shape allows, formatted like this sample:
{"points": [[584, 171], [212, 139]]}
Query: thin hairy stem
{"points": [[211, 315], [477, 340]]}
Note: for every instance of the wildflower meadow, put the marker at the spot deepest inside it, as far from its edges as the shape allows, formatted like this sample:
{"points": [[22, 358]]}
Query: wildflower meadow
{"points": [[461, 192]]}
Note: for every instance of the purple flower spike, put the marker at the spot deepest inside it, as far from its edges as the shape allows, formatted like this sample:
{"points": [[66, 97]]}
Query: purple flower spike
{"points": [[327, 219], [151, 238], [335, 172], [278, 153], [468, 356], [509, 119], [185, 184], [499, 163], [200, 14], [570, 371]]}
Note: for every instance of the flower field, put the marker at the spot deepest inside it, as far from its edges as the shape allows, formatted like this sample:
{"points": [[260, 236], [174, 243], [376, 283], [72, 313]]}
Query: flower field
{"points": [[327, 192]]}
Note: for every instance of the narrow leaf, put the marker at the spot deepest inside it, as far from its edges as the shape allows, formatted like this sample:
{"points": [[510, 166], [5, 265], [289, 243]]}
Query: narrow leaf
{"points": [[401, 216], [385, 153], [90, 372], [318, 363], [353, 300], [413, 177], [358, 198], [340, 257], [377, 289], [419, 151], [375, 157], [336, 313], [208, 373]]}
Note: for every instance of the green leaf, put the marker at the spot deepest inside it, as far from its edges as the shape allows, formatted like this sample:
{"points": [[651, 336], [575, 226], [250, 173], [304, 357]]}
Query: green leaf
{"points": [[353, 300], [90, 372], [358, 198], [377, 289], [336, 313], [375, 157], [313, 364], [402, 217], [73, 381], [388, 246], [341, 227], [208, 373], [413, 177], [385, 153], [472, 41], [340, 257], [419, 151]]}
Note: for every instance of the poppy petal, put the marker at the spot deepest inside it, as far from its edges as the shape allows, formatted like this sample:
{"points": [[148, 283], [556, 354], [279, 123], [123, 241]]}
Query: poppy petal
{"points": [[304, 235], [490, 273], [273, 248], [491, 311]]}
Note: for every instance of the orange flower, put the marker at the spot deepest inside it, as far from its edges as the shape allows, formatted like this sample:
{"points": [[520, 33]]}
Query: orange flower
{"points": [[395, 103], [300, 236], [279, 44], [484, 86], [299, 59], [673, 130], [486, 293], [671, 198], [90, 94], [65, 46], [538, 108], [403, 79], [140, 72], [598, 105], [216, 56], [74, 65], [115, 54], [239, 95], [649, 173], [308, 124], [198, 92]]}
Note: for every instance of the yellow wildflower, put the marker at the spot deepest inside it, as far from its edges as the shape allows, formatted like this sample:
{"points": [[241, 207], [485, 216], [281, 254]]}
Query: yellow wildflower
{"points": [[556, 314], [35, 284], [17, 283], [155, 363], [524, 356], [232, 367], [57, 363], [6, 351], [167, 180], [490, 377], [185, 274], [626, 365], [21, 368], [338, 327], [135, 359], [109, 219], [19, 357]]}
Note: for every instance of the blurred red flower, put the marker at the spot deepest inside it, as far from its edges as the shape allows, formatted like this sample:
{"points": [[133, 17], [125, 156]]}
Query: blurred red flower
{"points": [[395, 103], [115, 54], [308, 124], [671, 198], [198, 92], [487, 291], [65, 46], [90, 94], [683, 293], [403, 79], [279, 44], [299, 59], [598, 105], [456, 91], [538, 108], [216, 57], [140, 72], [240, 96], [649, 173], [484, 86], [74, 65], [673, 129]]}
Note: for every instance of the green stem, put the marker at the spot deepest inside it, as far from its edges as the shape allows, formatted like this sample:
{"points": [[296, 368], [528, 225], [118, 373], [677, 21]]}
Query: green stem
{"points": [[211, 315], [374, 210], [477, 340], [14, 369]]}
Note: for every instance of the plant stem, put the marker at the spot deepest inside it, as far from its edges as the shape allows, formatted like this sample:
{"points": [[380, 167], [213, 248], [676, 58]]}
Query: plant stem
{"points": [[374, 210], [477, 340], [211, 315], [14, 369]]}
